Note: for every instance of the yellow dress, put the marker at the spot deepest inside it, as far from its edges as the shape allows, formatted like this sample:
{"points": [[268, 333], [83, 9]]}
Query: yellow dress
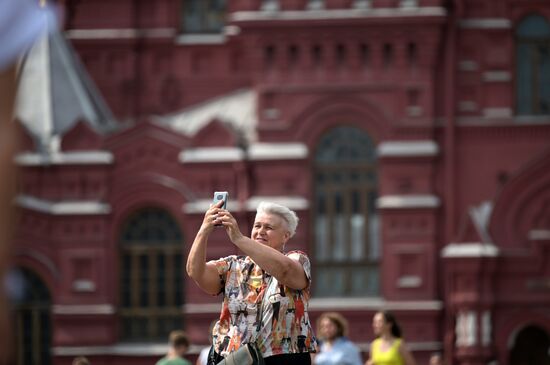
{"points": [[389, 357]]}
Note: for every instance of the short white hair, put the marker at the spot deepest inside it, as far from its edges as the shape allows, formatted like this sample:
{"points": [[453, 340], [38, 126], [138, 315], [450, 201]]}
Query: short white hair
{"points": [[288, 215]]}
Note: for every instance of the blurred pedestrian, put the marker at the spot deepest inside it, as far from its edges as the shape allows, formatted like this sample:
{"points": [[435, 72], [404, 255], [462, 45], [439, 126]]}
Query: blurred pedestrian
{"points": [[203, 356], [179, 344], [388, 348], [336, 348], [81, 360], [436, 359]]}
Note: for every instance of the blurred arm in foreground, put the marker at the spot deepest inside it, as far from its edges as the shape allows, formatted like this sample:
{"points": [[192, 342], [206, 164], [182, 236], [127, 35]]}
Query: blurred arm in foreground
{"points": [[21, 23]]}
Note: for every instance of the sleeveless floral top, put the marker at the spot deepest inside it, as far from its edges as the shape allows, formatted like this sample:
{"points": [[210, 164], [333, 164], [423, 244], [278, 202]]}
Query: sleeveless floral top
{"points": [[285, 327]]}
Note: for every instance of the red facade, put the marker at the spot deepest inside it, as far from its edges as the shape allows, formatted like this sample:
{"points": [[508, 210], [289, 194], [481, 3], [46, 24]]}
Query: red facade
{"points": [[462, 165]]}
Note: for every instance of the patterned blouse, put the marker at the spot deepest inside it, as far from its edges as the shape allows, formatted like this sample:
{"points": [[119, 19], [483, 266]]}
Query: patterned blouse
{"points": [[285, 326]]}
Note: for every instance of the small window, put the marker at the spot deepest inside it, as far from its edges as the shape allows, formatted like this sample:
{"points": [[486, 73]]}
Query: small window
{"points": [[316, 55], [203, 16], [533, 66], [365, 54], [387, 55]]}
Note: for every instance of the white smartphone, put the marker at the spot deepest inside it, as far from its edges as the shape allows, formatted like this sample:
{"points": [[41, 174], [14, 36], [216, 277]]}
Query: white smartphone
{"points": [[221, 195]]}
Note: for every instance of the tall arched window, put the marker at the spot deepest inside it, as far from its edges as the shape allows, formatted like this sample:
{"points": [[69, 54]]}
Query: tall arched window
{"points": [[151, 285], [346, 221], [533, 66], [33, 333]]}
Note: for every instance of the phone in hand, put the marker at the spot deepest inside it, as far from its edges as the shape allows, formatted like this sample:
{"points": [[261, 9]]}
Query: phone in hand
{"points": [[220, 195]]}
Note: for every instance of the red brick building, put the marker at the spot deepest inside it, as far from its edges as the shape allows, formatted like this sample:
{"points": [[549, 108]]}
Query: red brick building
{"points": [[411, 136]]}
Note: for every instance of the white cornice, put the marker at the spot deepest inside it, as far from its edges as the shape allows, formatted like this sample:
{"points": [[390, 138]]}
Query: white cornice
{"points": [[211, 154], [497, 76], [292, 202], [134, 349], [200, 206], [497, 112], [120, 33], [407, 201], [78, 207], [485, 23], [200, 39], [277, 151], [407, 149], [325, 14], [92, 309], [322, 304], [472, 249], [65, 158], [539, 234]]}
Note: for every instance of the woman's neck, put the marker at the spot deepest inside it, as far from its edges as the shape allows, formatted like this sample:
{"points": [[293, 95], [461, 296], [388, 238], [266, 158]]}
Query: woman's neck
{"points": [[388, 337]]}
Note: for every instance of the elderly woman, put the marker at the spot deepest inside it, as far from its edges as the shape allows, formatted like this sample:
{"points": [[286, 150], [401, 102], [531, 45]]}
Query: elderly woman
{"points": [[283, 333]]}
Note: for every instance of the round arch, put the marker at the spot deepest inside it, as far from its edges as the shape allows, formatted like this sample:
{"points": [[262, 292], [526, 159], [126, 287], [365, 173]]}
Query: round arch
{"points": [[507, 331], [40, 264], [518, 205], [329, 112], [531, 345]]}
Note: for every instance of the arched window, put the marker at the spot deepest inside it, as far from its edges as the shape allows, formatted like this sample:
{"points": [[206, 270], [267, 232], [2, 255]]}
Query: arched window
{"points": [[345, 216], [151, 285], [533, 66], [32, 320]]}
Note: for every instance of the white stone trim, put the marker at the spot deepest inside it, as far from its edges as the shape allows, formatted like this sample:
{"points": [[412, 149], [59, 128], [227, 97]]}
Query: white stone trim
{"points": [[485, 23], [277, 151], [407, 201], [211, 154], [78, 207], [134, 349], [291, 202], [120, 33], [468, 65], [198, 308], [201, 206], [497, 76], [407, 149], [497, 113], [470, 249], [409, 281], [467, 106], [322, 14], [92, 309], [83, 286], [466, 329], [65, 158], [322, 304], [539, 234], [202, 39]]}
